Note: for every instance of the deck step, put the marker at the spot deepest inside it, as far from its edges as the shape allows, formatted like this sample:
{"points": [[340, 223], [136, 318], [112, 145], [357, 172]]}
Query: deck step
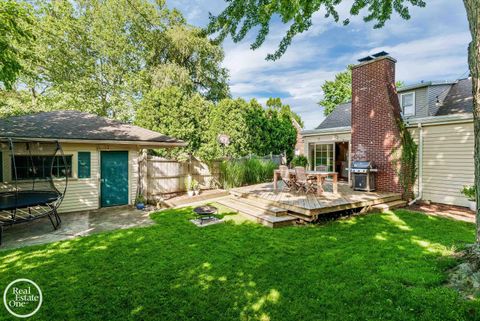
{"points": [[257, 214], [256, 207], [263, 205], [384, 207], [204, 196], [307, 215], [237, 193]]}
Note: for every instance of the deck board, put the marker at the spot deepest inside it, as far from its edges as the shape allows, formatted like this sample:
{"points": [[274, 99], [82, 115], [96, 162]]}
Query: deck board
{"points": [[312, 204]]}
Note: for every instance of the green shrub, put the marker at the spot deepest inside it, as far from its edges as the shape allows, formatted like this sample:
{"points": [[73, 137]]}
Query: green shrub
{"points": [[140, 199], [469, 192], [299, 160], [235, 173], [191, 184]]}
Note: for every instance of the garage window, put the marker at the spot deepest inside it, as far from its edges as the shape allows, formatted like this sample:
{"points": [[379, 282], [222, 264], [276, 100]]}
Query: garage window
{"points": [[39, 167]]}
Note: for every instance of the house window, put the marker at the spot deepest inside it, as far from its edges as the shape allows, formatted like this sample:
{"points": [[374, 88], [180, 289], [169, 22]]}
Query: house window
{"points": [[408, 103], [38, 167], [321, 157], [84, 165]]}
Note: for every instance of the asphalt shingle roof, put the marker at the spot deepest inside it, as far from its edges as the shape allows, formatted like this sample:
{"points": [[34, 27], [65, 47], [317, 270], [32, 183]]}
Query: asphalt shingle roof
{"points": [[75, 125], [341, 116], [459, 99]]}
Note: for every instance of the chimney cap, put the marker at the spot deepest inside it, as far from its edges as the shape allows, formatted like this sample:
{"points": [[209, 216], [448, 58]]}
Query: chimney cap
{"points": [[380, 54], [364, 59]]}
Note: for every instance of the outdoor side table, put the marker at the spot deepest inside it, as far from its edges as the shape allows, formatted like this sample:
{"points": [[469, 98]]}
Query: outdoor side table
{"points": [[205, 213]]}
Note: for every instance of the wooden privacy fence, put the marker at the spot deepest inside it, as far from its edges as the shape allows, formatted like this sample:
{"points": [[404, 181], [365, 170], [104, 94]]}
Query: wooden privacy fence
{"points": [[166, 176]]}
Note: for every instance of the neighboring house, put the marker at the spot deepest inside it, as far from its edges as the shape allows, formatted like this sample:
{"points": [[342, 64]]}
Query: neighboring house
{"points": [[439, 115], [102, 153], [299, 147]]}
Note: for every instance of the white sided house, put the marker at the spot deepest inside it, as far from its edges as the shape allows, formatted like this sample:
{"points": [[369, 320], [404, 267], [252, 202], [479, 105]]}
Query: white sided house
{"points": [[439, 114], [103, 155]]}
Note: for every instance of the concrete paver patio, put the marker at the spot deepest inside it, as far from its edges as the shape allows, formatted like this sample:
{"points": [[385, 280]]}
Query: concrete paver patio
{"points": [[73, 225]]}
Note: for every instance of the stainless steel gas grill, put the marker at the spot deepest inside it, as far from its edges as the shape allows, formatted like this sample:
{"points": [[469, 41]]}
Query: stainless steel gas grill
{"points": [[363, 175]]}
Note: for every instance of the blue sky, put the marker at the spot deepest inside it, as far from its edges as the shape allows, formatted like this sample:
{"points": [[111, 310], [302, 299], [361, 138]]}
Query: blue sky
{"points": [[432, 45]]}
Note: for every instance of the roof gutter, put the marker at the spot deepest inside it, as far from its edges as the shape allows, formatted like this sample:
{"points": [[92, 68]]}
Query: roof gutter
{"points": [[423, 84], [336, 130], [439, 120], [146, 144]]}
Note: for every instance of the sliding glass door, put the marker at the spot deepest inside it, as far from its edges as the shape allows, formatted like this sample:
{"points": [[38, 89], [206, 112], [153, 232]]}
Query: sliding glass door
{"points": [[321, 157]]}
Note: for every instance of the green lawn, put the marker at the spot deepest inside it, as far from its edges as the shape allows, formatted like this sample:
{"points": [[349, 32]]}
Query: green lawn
{"points": [[388, 267]]}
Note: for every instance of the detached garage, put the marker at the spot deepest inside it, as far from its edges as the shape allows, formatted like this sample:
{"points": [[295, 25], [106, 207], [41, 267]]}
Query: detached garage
{"points": [[102, 154]]}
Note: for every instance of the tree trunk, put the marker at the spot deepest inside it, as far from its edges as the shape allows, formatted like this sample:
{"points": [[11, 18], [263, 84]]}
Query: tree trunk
{"points": [[473, 15]]}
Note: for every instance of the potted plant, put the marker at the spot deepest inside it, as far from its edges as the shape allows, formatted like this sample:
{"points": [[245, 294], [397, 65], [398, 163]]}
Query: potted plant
{"points": [[470, 194], [140, 202], [299, 160], [190, 185], [196, 187]]}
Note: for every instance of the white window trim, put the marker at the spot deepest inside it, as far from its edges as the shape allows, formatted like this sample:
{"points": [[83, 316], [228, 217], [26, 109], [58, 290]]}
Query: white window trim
{"points": [[313, 162], [414, 105]]}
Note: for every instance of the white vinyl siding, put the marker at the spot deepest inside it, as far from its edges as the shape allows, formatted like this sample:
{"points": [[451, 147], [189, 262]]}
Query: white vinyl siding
{"points": [[447, 162], [84, 194], [133, 174]]}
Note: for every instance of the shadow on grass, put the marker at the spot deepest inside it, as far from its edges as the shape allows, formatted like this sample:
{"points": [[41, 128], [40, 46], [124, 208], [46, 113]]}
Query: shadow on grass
{"points": [[386, 266]]}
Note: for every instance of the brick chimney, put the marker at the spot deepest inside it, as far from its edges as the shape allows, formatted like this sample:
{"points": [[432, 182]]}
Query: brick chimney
{"points": [[375, 111]]}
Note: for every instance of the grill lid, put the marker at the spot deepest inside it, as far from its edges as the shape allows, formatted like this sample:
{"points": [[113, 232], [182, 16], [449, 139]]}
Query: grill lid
{"points": [[363, 164]]}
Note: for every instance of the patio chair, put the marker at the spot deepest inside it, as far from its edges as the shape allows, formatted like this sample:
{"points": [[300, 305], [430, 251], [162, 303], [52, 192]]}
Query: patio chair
{"points": [[288, 182], [302, 181]]}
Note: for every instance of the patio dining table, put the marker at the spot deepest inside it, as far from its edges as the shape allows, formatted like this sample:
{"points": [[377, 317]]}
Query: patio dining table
{"points": [[319, 175]]}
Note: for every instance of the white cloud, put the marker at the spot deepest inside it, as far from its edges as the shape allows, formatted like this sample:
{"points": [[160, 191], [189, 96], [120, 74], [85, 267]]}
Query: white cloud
{"points": [[430, 46], [439, 57]]}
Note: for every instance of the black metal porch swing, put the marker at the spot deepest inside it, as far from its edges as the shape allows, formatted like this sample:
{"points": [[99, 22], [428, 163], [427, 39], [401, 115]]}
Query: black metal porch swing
{"points": [[39, 178]]}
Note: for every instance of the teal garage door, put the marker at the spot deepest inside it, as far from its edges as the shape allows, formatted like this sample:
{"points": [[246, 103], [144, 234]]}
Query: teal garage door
{"points": [[114, 178]]}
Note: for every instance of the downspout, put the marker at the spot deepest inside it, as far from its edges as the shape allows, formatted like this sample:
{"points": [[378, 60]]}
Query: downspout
{"points": [[420, 165]]}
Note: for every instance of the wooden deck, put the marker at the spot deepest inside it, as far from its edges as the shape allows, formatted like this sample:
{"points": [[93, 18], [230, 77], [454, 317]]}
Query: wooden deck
{"points": [[313, 205]]}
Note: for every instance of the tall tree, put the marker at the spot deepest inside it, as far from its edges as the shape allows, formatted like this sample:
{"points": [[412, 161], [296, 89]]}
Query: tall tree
{"points": [[281, 133], [336, 91], [15, 33], [473, 16], [339, 91], [241, 16], [172, 111], [252, 129], [277, 103], [183, 51], [104, 56]]}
